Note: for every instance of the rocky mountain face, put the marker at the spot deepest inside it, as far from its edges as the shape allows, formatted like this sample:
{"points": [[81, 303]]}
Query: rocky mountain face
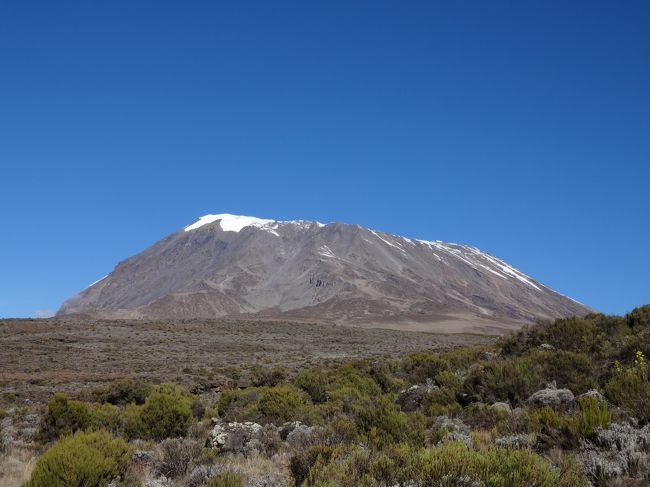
{"points": [[236, 266]]}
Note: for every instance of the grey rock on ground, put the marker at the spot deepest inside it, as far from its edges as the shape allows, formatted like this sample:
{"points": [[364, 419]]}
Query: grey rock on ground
{"points": [[247, 438], [489, 355], [411, 399], [502, 407], [593, 393], [298, 434], [453, 430], [551, 397]]}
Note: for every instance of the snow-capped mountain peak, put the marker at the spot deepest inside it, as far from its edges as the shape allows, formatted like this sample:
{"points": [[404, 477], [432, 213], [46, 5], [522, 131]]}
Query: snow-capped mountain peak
{"points": [[336, 272]]}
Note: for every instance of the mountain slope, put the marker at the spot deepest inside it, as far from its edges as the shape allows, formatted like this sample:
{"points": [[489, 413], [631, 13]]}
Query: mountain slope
{"points": [[228, 265]]}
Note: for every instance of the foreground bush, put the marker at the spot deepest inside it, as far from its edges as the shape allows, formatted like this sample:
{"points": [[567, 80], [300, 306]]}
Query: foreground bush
{"points": [[84, 459], [63, 417], [166, 413], [630, 388], [449, 465]]}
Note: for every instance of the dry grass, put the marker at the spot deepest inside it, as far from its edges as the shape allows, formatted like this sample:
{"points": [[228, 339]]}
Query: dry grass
{"points": [[41, 356], [16, 466]]}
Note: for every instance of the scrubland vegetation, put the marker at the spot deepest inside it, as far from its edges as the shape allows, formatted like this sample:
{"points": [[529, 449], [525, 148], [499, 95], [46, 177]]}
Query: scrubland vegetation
{"points": [[559, 404]]}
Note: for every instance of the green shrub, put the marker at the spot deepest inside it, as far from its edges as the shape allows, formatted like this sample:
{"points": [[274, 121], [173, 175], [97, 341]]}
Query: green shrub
{"points": [[125, 391], [592, 414], [228, 479], [302, 462], [629, 388], [348, 386], [383, 372], [441, 466], [504, 379], [384, 422], [166, 413], [165, 416], [314, 383], [133, 426], [106, 416], [565, 430], [483, 416], [238, 405], [571, 370], [62, 417], [639, 317], [341, 430], [423, 365], [513, 379], [281, 403], [84, 459], [269, 377], [443, 400]]}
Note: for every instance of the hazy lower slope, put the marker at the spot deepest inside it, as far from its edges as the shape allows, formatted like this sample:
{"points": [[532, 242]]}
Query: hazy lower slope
{"points": [[226, 265]]}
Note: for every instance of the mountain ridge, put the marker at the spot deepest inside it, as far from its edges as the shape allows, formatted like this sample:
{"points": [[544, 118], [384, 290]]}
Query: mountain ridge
{"points": [[227, 265]]}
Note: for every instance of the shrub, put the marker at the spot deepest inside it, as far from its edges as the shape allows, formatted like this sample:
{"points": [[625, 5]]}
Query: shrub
{"points": [[235, 404], [228, 479], [449, 464], [269, 377], [62, 417], [484, 417], [629, 388], [384, 422], [592, 414], [349, 386], [341, 430], [302, 462], [383, 373], [125, 391], [313, 383], [571, 370], [176, 456], [423, 365], [556, 429], [84, 459], [133, 426], [281, 403], [198, 409], [165, 416], [639, 317], [552, 428], [106, 416], [504, 379], [166, 413]]}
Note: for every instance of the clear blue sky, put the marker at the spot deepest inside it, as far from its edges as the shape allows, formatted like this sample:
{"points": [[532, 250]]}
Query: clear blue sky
{"points": [[520, 127]]}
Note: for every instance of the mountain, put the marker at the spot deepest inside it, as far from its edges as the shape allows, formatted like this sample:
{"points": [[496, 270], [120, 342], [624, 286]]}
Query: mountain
{"points": [[239, 266]]}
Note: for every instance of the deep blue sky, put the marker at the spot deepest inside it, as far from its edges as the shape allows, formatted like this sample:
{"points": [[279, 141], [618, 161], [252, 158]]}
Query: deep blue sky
{"points": [[520, 127]]}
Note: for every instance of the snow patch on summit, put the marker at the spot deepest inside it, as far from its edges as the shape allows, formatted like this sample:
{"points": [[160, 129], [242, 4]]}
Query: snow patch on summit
{"points": [[232, 223]]}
